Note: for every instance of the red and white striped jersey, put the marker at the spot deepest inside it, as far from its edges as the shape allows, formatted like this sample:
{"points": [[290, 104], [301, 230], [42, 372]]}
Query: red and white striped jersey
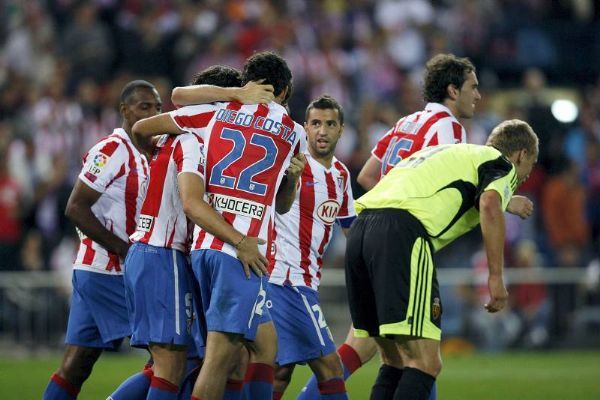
{"points": [[115, 168], [302, 234], [430, 127], [162, 222], [247, 148]]}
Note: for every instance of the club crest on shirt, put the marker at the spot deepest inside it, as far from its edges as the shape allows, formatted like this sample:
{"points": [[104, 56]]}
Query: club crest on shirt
{"points": [[436, 309], [328, 211]]}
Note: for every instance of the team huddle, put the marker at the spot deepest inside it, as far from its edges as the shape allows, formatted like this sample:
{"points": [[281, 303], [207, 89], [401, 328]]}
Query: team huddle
{"points": [[203, 232]]}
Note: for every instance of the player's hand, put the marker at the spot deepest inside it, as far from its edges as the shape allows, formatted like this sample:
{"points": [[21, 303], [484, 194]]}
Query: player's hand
{"points": [[251, 257], [498, 294], [255, 92], [521, 206], [296, 166], [123, 249]]}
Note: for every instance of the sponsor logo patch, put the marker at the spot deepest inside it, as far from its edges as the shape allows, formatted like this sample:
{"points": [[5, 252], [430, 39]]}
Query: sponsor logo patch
{"points": [[145, 223], [328, 211], [235, 205], [100, 160]]}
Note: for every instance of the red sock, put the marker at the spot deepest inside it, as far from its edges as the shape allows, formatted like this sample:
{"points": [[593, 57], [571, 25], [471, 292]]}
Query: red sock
{"points": [[332, 386], [234, 385], [163, 384], [63, 383], [259, 372], [349, 357]]}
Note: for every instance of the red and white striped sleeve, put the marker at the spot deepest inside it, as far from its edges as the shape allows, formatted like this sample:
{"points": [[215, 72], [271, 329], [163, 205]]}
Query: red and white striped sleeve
{"points": [[382, 145], [103, 164], [189, 154], [194, 118]]}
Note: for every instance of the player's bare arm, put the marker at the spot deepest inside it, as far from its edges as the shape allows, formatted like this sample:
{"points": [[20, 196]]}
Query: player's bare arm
{"points": [[520, 206], [370, 173], [79, 210], [493, 231], [157, 125], [251, 93], [287, 190], [191, 190]]}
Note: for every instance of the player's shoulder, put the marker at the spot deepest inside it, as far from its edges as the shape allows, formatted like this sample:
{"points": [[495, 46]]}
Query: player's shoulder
{"points": [[109, 145], [340, 166], [188, 138], [193, 109]]}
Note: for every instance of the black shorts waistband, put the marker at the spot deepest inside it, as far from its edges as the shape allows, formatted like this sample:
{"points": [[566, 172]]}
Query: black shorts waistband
{"points": [[398, 215]]}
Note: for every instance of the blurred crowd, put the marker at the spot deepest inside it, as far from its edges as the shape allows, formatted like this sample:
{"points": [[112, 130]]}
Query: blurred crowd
{"points": [[63, 63]]}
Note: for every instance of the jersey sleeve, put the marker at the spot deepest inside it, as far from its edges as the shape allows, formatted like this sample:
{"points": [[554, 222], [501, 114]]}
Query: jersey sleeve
{"points": [[347, 214], [382, 145], [500, 175], [103, 164], [194, 118], [302, 146], [188, 154]]}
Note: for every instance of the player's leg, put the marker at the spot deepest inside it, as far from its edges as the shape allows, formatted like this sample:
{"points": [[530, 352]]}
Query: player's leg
{"points": [[390, 370], [231, 304], [283, 377], [97, 321], [258, 381], [192, 369], [169, 369], [354, 353], [221, 348], [74, 370], [330, 376], [408, 304], [159, 301], [235, 383], [136, 386], [422, 364]]}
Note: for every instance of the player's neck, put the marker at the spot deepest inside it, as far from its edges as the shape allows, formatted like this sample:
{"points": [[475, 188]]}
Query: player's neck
{"points": [[451, 105], [325, 161]]}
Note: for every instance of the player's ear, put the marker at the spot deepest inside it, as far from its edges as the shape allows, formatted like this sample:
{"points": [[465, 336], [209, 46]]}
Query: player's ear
{"points": [[452, 91], [123, 109]]}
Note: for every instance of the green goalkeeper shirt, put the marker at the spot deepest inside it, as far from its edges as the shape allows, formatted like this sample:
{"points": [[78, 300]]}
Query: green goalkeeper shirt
{"points": [[441, 187]]}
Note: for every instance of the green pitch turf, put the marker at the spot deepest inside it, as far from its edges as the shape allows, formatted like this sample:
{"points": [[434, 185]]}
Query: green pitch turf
{"points": [[523, 376]]}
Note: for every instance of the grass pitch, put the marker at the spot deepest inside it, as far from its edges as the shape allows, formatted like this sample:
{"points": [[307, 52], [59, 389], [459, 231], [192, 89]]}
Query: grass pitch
{"points": [[525, 376]]}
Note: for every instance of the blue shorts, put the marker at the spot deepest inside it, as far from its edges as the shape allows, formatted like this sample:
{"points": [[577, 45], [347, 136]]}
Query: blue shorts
{"points": [[302, 332], [98, 314], [158, 283], [231, 302]]}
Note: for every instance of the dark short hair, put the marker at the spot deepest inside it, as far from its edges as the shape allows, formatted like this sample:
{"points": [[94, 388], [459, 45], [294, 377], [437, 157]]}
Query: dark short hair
{"points": [[130, 87], [270, 67], [326, 102], [443, 70], [218, 75], [513, 135]]}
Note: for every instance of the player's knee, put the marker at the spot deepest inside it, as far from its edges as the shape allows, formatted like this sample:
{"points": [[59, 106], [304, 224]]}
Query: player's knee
{"points": [[327, 367], [284, 373], [364, 347], [431, 366], [77, 364]]}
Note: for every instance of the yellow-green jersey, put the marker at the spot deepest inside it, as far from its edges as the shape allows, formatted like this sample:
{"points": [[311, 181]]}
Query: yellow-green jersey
{"points": [[441, 186]]}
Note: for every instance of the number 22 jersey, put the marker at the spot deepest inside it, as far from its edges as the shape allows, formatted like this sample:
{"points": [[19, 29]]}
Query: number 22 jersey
{"points": [[247, 151]]}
